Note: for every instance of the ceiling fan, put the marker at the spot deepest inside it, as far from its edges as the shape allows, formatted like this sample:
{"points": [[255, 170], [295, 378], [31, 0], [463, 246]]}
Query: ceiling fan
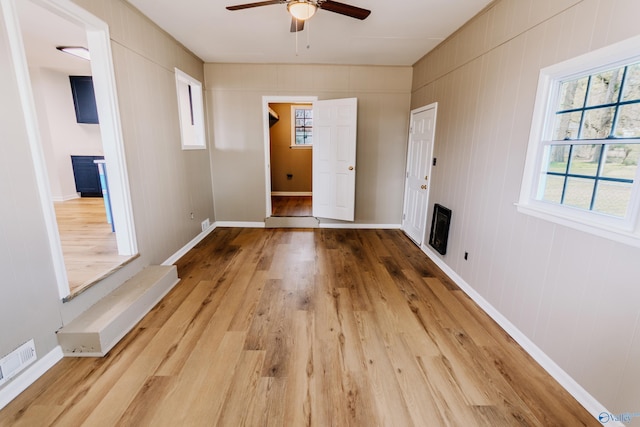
{"points": [[301, 10]]}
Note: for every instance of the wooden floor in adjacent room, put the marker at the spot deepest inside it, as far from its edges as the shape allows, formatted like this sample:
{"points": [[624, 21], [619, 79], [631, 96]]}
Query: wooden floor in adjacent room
{"points": [[88, 244], [291, 206], [286, 327]]}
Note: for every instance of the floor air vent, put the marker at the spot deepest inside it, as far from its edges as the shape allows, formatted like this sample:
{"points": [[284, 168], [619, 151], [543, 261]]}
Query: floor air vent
{"points": [[17, 360]]}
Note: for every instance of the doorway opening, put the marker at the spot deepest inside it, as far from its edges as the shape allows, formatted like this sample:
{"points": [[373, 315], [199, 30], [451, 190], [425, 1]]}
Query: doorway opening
{"points": [[289, 156], [291, 146], [333, 134], [36, 28]]}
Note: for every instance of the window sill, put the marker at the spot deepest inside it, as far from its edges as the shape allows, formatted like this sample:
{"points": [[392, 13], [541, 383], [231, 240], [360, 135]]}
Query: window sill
{"points": [[621, 236]]}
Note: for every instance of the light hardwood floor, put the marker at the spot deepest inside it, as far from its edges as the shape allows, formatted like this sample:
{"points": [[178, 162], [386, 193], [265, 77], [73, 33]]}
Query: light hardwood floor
{"points": [[88, 244], [291, 206], [282, 327]]}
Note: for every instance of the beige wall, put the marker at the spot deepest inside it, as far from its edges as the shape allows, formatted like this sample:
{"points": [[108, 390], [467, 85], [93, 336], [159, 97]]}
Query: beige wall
{"points": [[573, 294], [234, 93], [284, 159], [167, 184]]}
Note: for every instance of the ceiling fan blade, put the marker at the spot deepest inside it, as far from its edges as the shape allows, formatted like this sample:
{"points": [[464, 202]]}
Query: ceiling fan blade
{"points": [[249, 5], [345, 9], [296, 25]]}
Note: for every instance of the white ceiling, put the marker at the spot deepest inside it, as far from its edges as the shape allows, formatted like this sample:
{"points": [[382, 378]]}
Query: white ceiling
{"points": [[397, 32], [42, 31]]}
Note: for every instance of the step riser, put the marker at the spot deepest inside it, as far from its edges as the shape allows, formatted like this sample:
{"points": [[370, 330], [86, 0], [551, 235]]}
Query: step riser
{"points": [[96, 331], [291, 222]]}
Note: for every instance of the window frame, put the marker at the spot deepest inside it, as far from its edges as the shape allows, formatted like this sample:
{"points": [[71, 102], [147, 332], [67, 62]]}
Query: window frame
{"points": [[190, 112], [625, 230], [293, 144]]}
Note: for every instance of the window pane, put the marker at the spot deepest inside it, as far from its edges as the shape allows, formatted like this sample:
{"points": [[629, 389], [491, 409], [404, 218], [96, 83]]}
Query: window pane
{"points": [[558, 158], [585, 159], [613, 198], [597, 123], [621, 161], [572, 94], [300, 114], [553, 188], [628, 125], [308, 114], [579, 192], [566, 126], [605, 87], [632, 83]]}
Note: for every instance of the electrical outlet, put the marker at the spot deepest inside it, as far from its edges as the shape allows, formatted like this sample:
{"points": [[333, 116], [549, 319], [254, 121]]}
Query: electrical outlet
{"points": [[205, 224]]}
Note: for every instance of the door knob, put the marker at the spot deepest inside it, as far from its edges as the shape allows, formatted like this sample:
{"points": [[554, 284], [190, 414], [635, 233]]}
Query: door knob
{"points": [[424, 187], [350, 168]]}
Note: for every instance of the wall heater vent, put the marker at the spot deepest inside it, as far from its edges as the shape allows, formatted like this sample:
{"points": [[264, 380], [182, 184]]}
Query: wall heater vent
{"points": [[17, 360]]}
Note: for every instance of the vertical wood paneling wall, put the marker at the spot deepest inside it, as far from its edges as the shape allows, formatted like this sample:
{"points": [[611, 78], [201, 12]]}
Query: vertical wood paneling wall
{"points": [[575, 295], [234, 92], [166, 183]]}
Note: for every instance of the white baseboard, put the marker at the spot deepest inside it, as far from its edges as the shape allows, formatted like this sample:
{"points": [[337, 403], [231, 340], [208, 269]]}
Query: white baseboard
{"points": [[186, 248], [239, 224], [356, 226], [29, 376], [292, 193], [589, 402], [65, 198]]}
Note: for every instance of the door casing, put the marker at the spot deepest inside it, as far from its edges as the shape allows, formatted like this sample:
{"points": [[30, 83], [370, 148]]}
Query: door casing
{"points": [[99, 43]]}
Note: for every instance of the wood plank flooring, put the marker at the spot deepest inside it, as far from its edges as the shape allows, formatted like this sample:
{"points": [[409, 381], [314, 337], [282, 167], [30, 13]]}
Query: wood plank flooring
{"points": [[285, 327], [88, 244], [291, 206]]}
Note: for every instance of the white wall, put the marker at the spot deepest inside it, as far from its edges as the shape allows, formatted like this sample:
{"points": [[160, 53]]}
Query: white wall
{"points": [[576, 296], [60, 132]]}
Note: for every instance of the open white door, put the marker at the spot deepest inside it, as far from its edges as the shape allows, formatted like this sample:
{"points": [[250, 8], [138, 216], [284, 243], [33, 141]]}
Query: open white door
{"points": [[419, 155], [334, 158]]}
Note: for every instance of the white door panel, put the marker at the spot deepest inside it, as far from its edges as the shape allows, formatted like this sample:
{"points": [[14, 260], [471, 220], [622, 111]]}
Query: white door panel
{"points": [[419, 157], [334, 158]]}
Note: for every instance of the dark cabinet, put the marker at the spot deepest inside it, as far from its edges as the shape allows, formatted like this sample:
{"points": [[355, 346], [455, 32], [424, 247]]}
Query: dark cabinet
{"points": [[86, 175], [84, 99]]}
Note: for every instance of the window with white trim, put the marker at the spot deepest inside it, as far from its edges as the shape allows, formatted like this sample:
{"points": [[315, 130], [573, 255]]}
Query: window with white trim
{"points": [[301, 126], [191, 111], [582, 163]]}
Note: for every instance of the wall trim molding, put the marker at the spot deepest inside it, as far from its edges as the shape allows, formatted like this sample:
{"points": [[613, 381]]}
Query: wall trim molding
{"points": [[583, 397], [357, 226], [64, 198], [240, 224], [186, 248], [29, 376], [292, 193]]}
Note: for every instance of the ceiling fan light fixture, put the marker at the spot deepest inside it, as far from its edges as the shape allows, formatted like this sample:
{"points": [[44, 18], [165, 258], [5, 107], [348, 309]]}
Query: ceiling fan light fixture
{"points": [[302, 10]]}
